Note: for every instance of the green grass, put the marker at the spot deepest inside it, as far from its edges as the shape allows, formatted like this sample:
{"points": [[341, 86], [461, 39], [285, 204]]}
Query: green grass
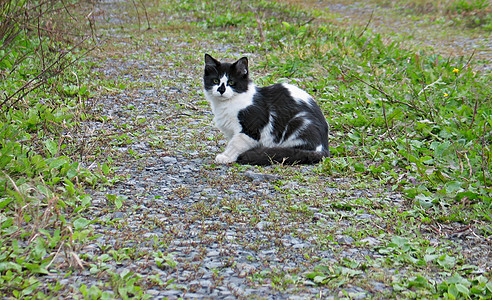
{"points": [[42, 178], [465, 13], [469, 15]]}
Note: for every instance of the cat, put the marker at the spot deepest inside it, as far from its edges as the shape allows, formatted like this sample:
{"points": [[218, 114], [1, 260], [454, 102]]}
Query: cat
{"points": [[280, 123]]}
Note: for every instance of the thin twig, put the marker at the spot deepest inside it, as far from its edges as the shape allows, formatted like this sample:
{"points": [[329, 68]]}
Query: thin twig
{"points": [[146, 14], [367, 25], [484, 160], [469, 165], [307, 22], [41, 45], [260, 27], [38, 84], [470, 58], [474, 114], [68, 11], [386, 95], [138, 14], [386, 122], [438, 81]]}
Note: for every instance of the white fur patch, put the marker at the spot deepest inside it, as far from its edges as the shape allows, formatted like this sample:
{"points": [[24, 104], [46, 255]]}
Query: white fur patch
{"points": [[293, 140], [267, 139], [238, 144], [226, 110], [299, 95], [319, 148]]}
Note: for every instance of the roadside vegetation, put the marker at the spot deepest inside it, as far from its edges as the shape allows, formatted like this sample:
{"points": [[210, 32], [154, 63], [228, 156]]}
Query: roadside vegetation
{"points": [[402, 119], [456, 13], [450, 14], [43, 89]]}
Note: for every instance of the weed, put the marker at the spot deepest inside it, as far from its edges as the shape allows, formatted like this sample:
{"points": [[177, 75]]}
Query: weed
{"points": [[42, 186]]}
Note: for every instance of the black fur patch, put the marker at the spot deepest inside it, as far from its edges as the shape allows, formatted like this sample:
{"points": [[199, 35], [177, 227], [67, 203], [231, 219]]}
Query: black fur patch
{"points": [[288, 117], [236, 72]]}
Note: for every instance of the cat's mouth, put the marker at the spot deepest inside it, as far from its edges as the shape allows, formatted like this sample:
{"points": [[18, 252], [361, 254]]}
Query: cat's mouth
{"points": [[223, 97]]}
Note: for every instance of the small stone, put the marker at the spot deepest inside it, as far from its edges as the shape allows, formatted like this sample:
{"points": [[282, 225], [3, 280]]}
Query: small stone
{"points": [[263, 224], [370, 241], [268, 252], [245, 269], [213, 253], [319, 217], [170, 293], [353, 293], [260, 177], [344, 239], [153, 292], [213, 265], [193, 296], [300, 246], [118, 215], [364, 216], [205, 283], [169, 160], [378, 286]]}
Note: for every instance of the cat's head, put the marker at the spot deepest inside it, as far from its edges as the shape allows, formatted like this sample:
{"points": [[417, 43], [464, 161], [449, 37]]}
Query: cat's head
{"points": [[223, 81]]}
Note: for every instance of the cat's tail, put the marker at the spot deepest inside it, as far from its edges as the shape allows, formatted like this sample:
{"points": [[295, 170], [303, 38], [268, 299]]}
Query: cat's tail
{"points": [[290, 156]]}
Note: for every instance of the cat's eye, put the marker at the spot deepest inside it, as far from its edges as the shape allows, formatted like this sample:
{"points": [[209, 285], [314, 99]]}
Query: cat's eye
{"points": [[216, 81], [231, 83]]}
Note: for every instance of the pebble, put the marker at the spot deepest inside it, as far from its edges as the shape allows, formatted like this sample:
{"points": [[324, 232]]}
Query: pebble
{"points": [[213, 253], [353, 293], [370, 241], [344, 239], [118, 215], [262, 225], [260, 177]]}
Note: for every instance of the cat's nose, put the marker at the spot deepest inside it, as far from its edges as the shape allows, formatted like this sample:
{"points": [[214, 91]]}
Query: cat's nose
{"points": [[221, 89]]}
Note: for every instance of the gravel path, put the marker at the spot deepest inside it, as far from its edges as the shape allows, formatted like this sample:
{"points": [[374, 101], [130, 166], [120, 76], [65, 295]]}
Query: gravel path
{"points": [[188, 228]]}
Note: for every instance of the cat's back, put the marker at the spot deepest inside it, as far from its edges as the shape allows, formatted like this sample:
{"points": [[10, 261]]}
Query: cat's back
{"points": [[283, 94]]}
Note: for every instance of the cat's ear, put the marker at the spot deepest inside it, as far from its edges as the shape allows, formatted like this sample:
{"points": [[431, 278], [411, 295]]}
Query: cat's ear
{"points": [[242, 66], [210, 61]]}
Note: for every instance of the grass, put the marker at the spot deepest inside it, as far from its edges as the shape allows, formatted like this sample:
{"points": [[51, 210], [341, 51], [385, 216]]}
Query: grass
{"points": [[42, 176], [404, 121]]}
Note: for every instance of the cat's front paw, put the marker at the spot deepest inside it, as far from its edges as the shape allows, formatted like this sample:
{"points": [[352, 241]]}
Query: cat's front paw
{"points": [[223, 159]]}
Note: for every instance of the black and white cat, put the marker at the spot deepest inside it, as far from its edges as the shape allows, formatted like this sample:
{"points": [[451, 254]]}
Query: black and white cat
{"points": [[263, 125]]}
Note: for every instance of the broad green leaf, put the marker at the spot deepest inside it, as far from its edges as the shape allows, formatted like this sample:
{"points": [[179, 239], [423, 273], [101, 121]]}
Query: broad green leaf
{"points": [[462, 289], [80, 223], [7, 223], [58, 162], [319, 278], [105, 169], [441, 148], [52, 147], [430, 257], [446, 261], [4, 266], [118, 202], [489, 286], [400, 241], [424, 201], [453, 291], [453, 187]]}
